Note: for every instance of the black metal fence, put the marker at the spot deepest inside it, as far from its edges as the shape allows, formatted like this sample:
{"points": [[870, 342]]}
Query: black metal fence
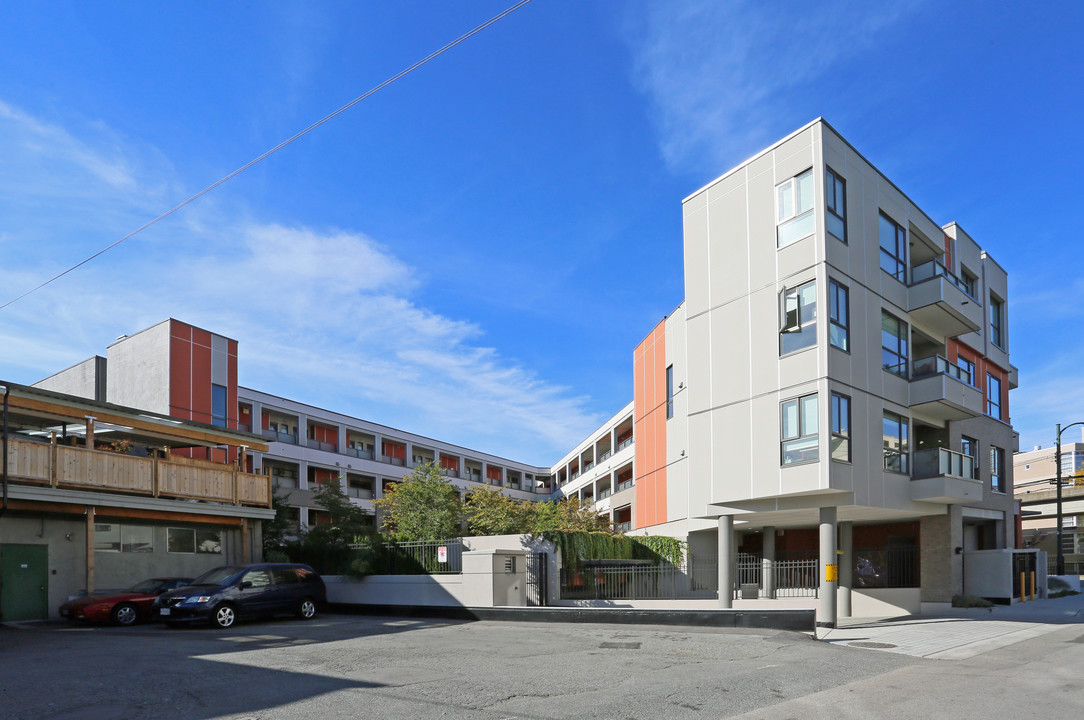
{"points": [[537, 579], [633, 580], [421, 557]]}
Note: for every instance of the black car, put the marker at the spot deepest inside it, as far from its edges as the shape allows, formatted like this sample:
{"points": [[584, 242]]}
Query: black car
{"points": [[226, 594]]}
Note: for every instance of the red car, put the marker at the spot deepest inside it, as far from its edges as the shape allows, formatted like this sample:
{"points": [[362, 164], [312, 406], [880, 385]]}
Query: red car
{"points": [[124, 607]]}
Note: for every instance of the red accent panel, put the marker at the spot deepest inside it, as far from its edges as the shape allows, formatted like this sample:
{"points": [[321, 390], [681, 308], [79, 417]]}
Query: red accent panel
{"points": [[394, 450], [201, 337], [649, 376], [266, 420], [201, 382], [180, 377], [449, 463], [493, 473]]}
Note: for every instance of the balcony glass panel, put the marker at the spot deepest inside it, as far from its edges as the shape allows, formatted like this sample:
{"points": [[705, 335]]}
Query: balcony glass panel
{"points": [[937, 365], [932, 269]]}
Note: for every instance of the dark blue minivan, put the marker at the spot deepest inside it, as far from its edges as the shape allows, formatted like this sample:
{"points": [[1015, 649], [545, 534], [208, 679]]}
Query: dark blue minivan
{"points": [[233, 592]]}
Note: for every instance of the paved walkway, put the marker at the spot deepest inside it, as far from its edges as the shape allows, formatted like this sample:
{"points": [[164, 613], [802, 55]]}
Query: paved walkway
{"points": [[959, 633]]}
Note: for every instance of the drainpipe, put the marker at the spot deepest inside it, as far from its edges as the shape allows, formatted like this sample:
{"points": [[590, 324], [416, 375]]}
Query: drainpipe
{"points": [[7, 392]]}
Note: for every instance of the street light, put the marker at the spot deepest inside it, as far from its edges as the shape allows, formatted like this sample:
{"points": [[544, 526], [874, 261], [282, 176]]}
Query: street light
{"points": [[1057, 484]]}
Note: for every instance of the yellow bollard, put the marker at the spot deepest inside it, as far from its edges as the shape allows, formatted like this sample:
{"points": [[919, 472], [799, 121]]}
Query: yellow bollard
{"points": [[1032, 584], [1023, 589]]}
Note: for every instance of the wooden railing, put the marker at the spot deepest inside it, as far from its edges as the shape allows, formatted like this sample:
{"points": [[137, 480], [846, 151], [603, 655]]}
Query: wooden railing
{"points": [[177, 477]]}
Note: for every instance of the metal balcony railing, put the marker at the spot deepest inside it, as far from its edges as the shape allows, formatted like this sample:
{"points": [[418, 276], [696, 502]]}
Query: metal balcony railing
{"points": [[281, 437], [624, 485], [624, 444], [321, 445], [935, 462], [938, 365], [604, 455], [363, 453]]}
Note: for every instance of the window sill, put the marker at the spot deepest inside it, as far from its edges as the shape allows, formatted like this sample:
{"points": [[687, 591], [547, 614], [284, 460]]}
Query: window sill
{"points": [[792, 353], [798, 464]]}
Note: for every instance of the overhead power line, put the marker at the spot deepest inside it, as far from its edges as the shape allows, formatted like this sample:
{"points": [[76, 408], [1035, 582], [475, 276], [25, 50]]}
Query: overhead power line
{"points": [[284, 143]]}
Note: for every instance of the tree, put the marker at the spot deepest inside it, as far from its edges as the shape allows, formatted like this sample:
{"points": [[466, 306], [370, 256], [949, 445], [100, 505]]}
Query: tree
{"points": [[569, 514], [275, 530], [491, 512], [347, 523], [424, 506]]}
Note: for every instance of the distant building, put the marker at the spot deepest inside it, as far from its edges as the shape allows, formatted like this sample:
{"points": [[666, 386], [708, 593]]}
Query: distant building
{"points": [[1035, 473]]}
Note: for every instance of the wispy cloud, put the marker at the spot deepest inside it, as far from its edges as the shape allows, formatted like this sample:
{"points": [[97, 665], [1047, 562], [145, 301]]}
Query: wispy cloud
{"points": [[323, 315], [719, 75]]}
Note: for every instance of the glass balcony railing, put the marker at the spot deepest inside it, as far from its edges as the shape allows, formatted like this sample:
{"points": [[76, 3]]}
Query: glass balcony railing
{"points": [[942, 461], [624, 485], [603, 494], [624, 444], [321, 445], [623, 527], [575, 474], [933, 268], [281, 437], [937, 365], [359, 452], [604, 455], [588, 466]]}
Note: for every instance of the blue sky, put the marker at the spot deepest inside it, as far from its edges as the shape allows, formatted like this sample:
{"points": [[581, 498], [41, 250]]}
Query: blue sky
{"points": [[474, 252]]}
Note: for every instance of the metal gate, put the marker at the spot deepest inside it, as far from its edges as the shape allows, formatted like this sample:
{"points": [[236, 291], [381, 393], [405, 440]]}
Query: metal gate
{"points": [[537, 564]]}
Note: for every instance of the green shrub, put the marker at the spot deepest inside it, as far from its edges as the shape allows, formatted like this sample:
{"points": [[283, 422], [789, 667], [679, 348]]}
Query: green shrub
{"points": [[970, 601]]}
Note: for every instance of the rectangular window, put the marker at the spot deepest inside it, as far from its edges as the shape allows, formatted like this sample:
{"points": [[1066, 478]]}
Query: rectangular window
{"points": [[180, 540], [969, 279], [993, 396], [894, 429], [799, 323], [970, 446], [838, 316], [669, 392], [106, 537], [835, 190], [841, 427], [893, 344], [996, 322], [218, 405], [794, 209], [997, 469], [136, 538], [968, 367], [799, 430], [893, 249]]}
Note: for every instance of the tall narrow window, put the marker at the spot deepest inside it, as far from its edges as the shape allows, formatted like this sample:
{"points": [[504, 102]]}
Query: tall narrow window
{"points": [[799, 430], [794, 209], [893, 248], [997, 469], [893, 344], [969, 446], [895, 442], [841, 427], [218, 405], [996, 322], [993, 396], [669, 392], [967, 369], [838, 316], [799, 326], [835, 190]]}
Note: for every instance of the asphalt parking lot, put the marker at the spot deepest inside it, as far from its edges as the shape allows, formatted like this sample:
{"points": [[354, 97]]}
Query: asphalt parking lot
{"points": [[344, 666]]}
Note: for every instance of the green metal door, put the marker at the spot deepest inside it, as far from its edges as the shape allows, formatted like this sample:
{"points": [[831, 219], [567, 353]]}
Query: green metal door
{"points": [[24, 582]]}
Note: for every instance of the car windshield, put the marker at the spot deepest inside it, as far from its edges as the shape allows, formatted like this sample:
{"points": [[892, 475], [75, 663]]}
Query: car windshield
{"points": [[148, 587], [219, 576]]}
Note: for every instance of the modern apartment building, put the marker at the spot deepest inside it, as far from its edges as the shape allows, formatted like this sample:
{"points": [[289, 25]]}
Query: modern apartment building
{"points": [[838, 372], [834, 385]]}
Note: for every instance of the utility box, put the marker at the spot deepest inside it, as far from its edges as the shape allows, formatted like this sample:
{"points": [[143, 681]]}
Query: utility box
{"points": [[1005, 576], [750, 591]]}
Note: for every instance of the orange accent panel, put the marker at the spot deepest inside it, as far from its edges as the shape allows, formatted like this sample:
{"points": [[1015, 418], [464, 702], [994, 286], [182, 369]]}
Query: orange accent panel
{"points": [[450, 463], [201, 337], [649, 377]]}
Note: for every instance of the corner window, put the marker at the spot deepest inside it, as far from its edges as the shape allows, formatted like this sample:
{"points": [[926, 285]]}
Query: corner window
{"points": [[218, 405], [997, 469], [794, 209], [997, 322], [993, 396], [841, 427], [799, 430], [799, 323], [893, 344], [669, 392], [838, 316], [893, 248], [835, 192], [894, 430]]}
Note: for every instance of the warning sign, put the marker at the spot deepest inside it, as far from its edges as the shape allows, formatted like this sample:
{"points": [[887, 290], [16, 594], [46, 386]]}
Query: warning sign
{"points": [[442, 554], [831, 573]]}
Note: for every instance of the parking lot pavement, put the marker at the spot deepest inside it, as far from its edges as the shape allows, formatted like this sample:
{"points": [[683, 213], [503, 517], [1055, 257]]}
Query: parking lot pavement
{"points": [[380, 667]]}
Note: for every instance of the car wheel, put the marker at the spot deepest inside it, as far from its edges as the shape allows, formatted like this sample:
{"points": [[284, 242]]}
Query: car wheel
{"points": [[224, 616], [124, 614], [307, 609]]}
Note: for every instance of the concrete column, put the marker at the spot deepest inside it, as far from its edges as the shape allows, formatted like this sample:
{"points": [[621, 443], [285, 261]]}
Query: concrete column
{"points": [[828, 567], [408, 455], [340, 438], [768, 569], [485, 471], [846, 567], [726, 555], [378, 447], [302, 430]]}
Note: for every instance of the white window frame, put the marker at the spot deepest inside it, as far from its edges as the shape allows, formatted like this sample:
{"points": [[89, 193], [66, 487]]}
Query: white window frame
{"points": [[807, 439], [795, 223]]}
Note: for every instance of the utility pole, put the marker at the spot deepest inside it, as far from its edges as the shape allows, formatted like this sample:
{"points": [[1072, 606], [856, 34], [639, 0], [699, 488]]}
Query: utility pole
{"points": [[1060, 568]]}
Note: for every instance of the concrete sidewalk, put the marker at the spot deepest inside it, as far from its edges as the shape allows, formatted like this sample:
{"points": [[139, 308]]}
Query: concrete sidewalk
{"points": [[958, 633]]}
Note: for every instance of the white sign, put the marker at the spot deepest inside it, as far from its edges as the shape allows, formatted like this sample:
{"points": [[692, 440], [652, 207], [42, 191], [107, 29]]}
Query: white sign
{"points": [[442, 554]]}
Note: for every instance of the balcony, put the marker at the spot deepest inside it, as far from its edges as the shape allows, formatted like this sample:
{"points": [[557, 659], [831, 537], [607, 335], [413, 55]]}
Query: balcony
{"points": [[624, 444], [100, 471], [276, 436], [942, 391], [393, 460], [603, 494], [358, 452], [321, 445], [623, 527], [624, 485], [945, 476], [604, 456], [939, 301]]}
